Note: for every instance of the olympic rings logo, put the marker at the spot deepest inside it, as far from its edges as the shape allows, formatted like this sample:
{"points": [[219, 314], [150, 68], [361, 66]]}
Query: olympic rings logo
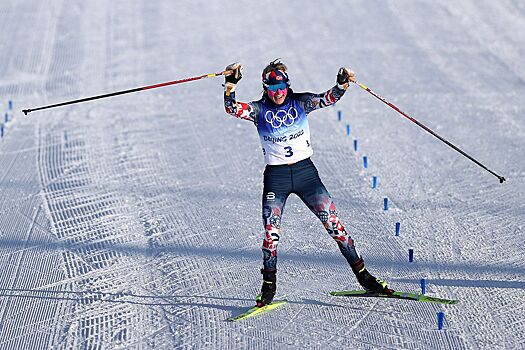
{"points": [[281, 117]]}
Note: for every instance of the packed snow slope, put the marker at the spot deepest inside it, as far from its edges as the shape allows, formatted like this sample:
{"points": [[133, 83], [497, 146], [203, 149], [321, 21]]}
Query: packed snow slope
{"points": [[135, 221]]}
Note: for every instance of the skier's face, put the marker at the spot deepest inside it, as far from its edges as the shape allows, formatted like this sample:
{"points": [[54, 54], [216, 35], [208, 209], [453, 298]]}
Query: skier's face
{"points": [[277, 93]]}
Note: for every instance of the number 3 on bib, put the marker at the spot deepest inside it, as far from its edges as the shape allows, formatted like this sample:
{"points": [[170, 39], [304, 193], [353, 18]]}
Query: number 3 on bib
{"points": [[289, 152]]}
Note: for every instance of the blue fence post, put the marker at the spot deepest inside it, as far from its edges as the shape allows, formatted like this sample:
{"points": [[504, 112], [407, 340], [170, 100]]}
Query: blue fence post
{"points": [[411, 255], [365, 162], [423, 286], [398, 228], [10, 105], [374, 182], [1, 130], [385, 203], [441, 318], [355, 145], [348, 129], [339, 115], [6, 117]]}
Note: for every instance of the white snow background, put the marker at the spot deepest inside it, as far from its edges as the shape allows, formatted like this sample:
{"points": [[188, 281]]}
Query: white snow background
{"points": [[134, 222]]}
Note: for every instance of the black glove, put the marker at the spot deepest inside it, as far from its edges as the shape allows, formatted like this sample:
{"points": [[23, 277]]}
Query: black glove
{"points": [[234, 77], [345, 75]]}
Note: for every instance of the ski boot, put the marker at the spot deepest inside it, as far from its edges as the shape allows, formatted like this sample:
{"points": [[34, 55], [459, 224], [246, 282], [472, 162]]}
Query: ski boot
{"points": [[370, 283], [268, 288]]}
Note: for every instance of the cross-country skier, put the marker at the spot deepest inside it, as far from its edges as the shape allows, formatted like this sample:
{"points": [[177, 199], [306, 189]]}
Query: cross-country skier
{"points": [[281, 120]]}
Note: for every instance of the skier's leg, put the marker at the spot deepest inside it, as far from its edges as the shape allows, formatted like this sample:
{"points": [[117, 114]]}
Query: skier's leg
{"points": [[272, 214], [346, 244], [321, 204], [275, 192], [311, 190], [315, 195]]}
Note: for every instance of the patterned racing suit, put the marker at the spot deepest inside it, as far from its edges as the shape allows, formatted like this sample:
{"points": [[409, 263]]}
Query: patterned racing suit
{"points": [[285, 139]]}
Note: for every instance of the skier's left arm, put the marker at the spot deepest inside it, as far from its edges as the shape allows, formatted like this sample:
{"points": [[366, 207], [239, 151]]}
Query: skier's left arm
{"points": [[312, 101]]}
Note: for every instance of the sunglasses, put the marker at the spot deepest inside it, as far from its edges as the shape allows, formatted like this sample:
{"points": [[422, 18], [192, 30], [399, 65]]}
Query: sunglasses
{"points": [[276, 87]]}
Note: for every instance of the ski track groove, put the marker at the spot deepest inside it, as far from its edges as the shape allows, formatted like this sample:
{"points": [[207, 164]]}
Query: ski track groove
{"points": [[35, 267]]}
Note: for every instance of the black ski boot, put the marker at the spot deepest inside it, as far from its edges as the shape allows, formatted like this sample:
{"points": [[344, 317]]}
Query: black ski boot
{"points": [[370, 283], [268, 288]]}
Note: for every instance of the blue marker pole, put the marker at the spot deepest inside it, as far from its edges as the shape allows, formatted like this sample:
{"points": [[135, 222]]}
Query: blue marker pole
{"points": [[411, 255], [374, 182], [365, 162], [385, 203], [339, 115], [398, 228], [355, 145], [1, 130], [348, 129], [10, 105], [441, 318], [423, 286]]}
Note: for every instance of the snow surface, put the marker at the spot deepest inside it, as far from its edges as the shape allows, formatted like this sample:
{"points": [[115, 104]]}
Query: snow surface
{"points": [[134, 221]]}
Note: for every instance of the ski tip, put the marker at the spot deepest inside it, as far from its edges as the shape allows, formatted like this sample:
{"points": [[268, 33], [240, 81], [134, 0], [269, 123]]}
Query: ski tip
{"points": [[348, 292]]}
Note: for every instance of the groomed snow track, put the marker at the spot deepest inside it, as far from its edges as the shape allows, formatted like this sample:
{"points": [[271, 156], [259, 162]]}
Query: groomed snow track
{"points": [[134, 222]]}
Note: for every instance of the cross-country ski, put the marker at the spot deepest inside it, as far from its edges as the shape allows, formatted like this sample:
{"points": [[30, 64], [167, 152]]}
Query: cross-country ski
{"points": [[395, 295], [256, 310]]}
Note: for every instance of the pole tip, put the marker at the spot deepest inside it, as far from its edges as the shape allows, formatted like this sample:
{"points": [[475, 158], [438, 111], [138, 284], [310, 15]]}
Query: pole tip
{"points": [[26, 111], [501, 179]]}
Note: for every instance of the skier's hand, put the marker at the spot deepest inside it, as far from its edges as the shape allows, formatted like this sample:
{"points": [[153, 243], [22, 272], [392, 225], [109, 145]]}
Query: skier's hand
{"points": [[234, 77], [344, 76]]}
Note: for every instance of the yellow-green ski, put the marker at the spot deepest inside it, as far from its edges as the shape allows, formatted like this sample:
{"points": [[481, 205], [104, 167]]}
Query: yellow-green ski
{"points": [[258, 310], [395, 295]]}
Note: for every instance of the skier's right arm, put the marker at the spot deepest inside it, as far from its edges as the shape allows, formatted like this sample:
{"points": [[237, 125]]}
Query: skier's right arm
{"points": [[237, 109]]}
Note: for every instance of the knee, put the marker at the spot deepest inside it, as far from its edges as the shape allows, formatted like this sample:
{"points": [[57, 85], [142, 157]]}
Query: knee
{"points": [[271, 238], [334, 225]]}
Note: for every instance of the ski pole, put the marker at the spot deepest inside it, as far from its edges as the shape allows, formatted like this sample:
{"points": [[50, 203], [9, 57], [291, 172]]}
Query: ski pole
{"points": [[225, 72], [501, 178]]}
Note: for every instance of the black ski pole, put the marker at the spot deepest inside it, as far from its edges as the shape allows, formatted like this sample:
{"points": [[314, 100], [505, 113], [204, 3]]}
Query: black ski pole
{"points": [[226, 72], [501, 178]]}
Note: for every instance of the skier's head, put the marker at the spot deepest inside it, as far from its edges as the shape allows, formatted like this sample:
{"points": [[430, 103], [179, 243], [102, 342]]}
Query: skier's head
{"points": [[275, 81]]}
